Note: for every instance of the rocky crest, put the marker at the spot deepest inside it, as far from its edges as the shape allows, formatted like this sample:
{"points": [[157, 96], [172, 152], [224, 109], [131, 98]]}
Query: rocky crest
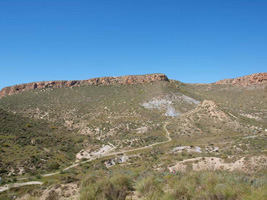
{"points": [[121, 80], [253, 79]]}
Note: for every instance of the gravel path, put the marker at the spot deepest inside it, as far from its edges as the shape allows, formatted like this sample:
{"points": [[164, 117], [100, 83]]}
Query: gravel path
{"points": [[14, 185]]}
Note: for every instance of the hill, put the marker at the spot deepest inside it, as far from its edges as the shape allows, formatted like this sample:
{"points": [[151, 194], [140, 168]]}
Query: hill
{"points": [[132, 128], [253, 79], [122, 80]]}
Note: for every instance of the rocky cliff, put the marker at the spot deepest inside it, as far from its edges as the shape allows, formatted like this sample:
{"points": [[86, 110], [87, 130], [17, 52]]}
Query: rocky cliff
{"points": [[122, 80], [259, 78]]}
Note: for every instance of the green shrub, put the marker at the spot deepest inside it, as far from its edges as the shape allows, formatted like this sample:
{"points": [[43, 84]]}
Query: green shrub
{"points": [[110, 188], [53, 166], [53, 195], [151, 187], [38, 176]]}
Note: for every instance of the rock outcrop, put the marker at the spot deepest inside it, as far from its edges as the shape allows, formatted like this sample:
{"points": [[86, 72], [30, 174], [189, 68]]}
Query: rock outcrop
{"points": [[253, 79], [121, 80]]}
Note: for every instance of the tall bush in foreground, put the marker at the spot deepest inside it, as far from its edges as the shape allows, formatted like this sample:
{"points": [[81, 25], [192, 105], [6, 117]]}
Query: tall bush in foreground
{"points": [[98, 187]]}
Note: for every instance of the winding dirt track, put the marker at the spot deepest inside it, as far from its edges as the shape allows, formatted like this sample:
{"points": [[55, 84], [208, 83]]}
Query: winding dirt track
{"points": [[14, 185], [9, 186]]}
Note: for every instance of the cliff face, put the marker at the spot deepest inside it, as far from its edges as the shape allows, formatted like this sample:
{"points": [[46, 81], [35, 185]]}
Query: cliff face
{"points": [[253, 79], [122, 80]]}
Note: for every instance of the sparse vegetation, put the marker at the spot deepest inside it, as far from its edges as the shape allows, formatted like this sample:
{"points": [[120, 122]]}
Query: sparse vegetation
{"points": [[169, 186], [30, 144], [101, 186], [43, 130]]}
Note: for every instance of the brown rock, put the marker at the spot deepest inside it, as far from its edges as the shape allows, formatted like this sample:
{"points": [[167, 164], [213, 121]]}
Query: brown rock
{"points": [[121, 80], [253, 79]]}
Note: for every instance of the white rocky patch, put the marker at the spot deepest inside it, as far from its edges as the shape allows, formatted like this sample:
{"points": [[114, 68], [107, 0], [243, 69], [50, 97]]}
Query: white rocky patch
{"points": [[210, 149], [157, 104], [119, 159], [190, 100], [215, 163], [171, 112], [250, 116], [188, 149], [92, 154], [161, 104], [142, 129]]}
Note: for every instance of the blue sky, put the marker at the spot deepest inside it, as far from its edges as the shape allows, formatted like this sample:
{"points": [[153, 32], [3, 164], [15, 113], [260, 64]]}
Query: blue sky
{"points": [[189, 40]]}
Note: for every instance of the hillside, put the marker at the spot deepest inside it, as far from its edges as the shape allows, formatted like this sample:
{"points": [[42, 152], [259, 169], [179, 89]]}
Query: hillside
{"points": [[135, 130], [253, 79], [34, 146], [246, 101], [124, 113]]}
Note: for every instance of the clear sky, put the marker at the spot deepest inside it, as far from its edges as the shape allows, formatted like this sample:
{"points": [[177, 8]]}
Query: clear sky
{"points": [[188, 40]]}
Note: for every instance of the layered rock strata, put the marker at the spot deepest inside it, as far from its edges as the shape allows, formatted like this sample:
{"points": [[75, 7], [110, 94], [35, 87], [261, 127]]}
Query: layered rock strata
{"points": [[253, 79], [121, 80]]}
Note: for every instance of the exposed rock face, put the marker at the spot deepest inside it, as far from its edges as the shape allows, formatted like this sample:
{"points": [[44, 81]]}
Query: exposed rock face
{"points": [[253, 79], [122, 80]]}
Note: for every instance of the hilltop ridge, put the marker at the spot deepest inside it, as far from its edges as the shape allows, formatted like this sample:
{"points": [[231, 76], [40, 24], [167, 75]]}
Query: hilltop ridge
{"points": [[258, 78], [120, 80], [253, 79]]}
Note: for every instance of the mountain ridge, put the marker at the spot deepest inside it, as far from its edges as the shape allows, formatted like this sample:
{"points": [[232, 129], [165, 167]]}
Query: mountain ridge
{"points": [[252, 79], [120, 80]]}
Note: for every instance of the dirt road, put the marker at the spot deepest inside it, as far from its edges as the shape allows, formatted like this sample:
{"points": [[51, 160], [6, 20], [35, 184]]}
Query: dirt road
{"points": [[14, 185]]}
